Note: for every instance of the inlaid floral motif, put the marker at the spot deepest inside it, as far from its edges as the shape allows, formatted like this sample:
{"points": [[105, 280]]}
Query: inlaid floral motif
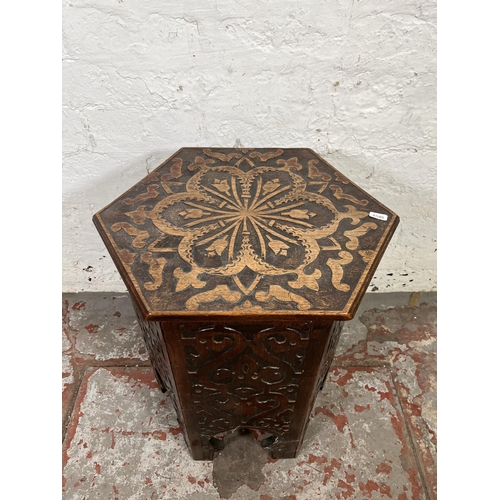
{"points": [[246, 229], [263, 219]]}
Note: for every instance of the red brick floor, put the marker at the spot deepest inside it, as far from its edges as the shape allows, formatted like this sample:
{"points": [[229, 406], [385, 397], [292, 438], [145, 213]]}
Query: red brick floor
{"points": [[372, 433]]}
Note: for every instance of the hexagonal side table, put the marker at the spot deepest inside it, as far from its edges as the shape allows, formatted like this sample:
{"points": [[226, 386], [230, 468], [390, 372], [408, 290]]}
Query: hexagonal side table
{"points": [[243, 265]]}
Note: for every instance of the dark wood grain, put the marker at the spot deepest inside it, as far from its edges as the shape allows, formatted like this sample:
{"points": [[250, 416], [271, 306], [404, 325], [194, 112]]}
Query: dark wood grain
{"points": [[217, 231], [243, 265]]}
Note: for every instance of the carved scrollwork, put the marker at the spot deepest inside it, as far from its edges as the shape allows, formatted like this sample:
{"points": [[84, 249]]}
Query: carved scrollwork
{"points": [[242, 380]]}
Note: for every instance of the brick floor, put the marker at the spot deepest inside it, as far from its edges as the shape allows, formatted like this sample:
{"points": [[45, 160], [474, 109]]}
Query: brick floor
{"points": [[372, 432]]}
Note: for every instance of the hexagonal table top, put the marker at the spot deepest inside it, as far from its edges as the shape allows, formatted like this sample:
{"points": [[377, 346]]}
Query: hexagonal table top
{"points": [[226, 231]]}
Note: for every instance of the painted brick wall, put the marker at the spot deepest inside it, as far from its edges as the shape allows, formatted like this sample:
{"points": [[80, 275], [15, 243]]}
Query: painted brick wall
{"points": [[355, 80]]}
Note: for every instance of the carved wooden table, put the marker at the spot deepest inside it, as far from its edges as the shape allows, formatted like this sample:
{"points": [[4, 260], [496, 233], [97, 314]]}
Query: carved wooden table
{"points": [[243, 265]]}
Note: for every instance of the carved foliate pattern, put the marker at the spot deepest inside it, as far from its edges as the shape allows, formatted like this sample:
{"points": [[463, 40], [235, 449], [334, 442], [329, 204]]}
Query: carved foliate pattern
{"points": [[244, 379], [246, 230]]}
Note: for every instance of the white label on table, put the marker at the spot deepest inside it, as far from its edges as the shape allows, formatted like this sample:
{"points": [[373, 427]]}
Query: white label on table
{"points": [[375, 215]]}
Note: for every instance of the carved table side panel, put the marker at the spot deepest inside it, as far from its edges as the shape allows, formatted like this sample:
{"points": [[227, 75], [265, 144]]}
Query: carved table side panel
{"points": [[246, 376], [330, 354], [154, 340]]}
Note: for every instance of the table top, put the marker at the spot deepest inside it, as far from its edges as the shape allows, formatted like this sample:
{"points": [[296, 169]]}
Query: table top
{"points": [[245, 232]]}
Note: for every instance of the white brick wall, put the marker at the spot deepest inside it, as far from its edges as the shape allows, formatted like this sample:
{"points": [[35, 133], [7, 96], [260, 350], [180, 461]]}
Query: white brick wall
{"points": [[354, 80]]}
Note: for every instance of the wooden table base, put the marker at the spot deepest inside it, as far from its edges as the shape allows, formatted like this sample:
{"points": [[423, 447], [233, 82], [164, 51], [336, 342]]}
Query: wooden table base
{"points": [[250, 375]]}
